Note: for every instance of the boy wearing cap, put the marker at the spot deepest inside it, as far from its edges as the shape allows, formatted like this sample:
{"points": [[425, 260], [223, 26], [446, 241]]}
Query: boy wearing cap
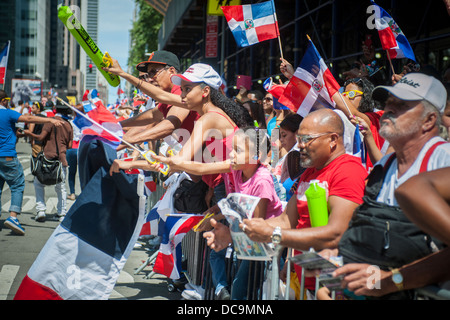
{"points": [[11, 170], [164, 119]]}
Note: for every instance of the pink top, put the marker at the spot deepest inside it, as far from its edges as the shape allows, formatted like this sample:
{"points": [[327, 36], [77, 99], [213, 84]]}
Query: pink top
{"points": [[259, 185]]}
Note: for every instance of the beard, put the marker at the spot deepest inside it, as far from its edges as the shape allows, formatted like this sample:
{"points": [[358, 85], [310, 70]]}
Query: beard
{"points": [[390, 131], [305, 160]]}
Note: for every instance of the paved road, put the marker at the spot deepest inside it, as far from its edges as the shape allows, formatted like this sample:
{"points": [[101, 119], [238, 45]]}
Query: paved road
{"points": [[17, 253]]}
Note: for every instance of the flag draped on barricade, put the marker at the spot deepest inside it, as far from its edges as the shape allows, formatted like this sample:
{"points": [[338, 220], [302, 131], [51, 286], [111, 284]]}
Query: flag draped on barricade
{"points": [[391, 36], [312, 83], [83, 257], [169, 258], [252, 23]]}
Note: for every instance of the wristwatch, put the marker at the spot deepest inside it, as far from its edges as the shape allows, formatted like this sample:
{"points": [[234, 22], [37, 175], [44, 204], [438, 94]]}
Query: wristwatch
{"points": [[397, 279], [276, 236]]}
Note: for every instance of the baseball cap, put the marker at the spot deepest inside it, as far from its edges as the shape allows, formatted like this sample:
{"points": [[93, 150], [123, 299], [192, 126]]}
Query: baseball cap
{"points": [[415, 86], [199, 72], [160, 57]]}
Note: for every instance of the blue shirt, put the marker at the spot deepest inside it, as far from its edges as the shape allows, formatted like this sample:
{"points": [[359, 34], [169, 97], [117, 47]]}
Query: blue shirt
{"points": [[8, 120]]}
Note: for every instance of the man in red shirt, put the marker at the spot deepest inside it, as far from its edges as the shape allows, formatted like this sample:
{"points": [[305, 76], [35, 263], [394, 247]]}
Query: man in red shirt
{"points": [[322, 152], [163, 120]]}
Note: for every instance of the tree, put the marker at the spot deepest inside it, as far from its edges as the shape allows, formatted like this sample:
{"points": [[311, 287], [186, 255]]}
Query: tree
{"points": [[144, 34]]}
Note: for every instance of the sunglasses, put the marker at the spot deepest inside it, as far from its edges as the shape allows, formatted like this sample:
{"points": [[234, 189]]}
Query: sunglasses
{"points": [[306, 139], [352, 94]]}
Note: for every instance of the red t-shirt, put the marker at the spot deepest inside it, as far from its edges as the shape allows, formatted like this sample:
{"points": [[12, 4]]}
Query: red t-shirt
{"points": [[344, 177], [374, 118], [189, 122]]}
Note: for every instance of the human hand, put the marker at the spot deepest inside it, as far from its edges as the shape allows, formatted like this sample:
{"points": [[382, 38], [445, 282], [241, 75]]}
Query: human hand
{"points": [[257, 229], [286, 68], [114, 68], [56, 122], [360, 278], [363, 126], [117, 165], [219, 238]]}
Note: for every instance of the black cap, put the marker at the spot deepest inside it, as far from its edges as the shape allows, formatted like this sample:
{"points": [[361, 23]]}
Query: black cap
{"points": [[160, 57]]}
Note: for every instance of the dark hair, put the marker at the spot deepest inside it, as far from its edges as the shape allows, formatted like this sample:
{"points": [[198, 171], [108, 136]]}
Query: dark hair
{"points": [[258, 94], [235, 111], [257, 113], [291, 122], [39, 105], [367, 103], [258, 137]]}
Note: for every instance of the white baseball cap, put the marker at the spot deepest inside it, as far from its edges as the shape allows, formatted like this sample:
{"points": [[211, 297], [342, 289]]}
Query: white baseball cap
{"points": [[199, 72], [416, 86]]}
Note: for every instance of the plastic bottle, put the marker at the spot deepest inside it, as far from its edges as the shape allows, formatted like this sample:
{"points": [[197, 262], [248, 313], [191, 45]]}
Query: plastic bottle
{"points": [[317, 204]]}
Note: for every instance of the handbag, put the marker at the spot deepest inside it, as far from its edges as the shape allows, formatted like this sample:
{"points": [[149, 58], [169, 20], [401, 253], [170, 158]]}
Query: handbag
{"points": [[47, 171], [190, 196]]}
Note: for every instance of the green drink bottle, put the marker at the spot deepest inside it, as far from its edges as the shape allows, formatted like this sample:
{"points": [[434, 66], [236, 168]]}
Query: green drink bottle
{"points": [[317, 204]]}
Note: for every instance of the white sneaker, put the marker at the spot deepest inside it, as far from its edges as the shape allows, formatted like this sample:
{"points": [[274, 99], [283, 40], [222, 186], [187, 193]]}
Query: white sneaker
{"points": [[40, 217], [191, 295]]}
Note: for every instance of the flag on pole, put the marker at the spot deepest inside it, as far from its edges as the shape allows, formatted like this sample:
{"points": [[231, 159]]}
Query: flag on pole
{"points": [[252, 23], [391, 36], [311, 83], [120, 91], [168, 261], [4, 62], [276, 90], [151, 222], [84, 256], [358, 146], [95, 110]]}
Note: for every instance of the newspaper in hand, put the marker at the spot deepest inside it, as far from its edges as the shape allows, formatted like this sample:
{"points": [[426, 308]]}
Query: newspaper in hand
{"points": [[236, 207]]}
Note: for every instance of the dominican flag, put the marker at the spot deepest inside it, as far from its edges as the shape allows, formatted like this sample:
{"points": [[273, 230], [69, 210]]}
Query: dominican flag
{"points": [[252, 23], [168, 261], [4, 54], [151, 222], [84, 256], [391, 36], [276, 90], [102, 119], [312, 83]]}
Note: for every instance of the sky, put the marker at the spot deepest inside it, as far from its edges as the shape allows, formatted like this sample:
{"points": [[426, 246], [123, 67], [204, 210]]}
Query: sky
{"points": [[114, 23]]}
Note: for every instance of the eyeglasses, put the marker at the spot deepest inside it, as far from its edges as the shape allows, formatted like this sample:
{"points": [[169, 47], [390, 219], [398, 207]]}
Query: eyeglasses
{"points": [[353, 80], [306, 139], [352, 94], [144, 77], [267, 99], [155, 73]]}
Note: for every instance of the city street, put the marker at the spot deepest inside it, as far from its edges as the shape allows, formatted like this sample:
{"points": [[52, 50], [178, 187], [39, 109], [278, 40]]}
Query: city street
{"points": [[18, 253]]}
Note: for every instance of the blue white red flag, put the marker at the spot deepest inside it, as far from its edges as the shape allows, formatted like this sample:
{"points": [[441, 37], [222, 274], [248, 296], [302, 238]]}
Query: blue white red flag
{"points": [[391, 36], [312, 84], [151, 222], [276, 90], [102, 119], [252, 23], [168, 261], [84, 256], [4, 54], [358, 146]]}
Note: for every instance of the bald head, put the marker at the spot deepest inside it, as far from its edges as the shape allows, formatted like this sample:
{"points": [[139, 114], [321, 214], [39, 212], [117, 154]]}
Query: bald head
{"points": [[325, 120]]}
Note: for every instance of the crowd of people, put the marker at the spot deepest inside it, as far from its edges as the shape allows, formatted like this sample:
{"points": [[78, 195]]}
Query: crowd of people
{"points": [[403, 123], [253, 145]]}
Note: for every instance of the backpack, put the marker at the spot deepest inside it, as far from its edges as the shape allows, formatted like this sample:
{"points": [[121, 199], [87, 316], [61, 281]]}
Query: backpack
{"points": [[380, 234]]}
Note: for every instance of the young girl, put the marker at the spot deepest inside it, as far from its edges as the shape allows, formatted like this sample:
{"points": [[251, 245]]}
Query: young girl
{"points": [[247, 176]]}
